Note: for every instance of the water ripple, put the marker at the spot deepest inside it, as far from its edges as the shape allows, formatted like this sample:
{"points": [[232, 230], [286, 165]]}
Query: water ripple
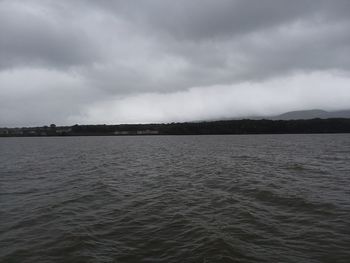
{"points": [[271, 198]]}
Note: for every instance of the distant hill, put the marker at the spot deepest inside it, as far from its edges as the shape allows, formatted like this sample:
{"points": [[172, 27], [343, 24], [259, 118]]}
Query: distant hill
{"points": [[311, 114], [293, 115]]}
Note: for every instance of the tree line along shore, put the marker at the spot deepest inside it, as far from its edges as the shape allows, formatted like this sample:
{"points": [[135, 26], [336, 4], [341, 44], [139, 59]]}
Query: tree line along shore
{"points": [[246, 126]]}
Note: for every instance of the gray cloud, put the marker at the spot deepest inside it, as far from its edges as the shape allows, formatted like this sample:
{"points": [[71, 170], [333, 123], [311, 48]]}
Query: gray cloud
{"points": [[206, 19], [34, 36], [68, 60]]}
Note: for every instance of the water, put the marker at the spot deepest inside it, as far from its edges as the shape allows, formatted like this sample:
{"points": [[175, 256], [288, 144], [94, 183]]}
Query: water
{"points": [[265, 198]]}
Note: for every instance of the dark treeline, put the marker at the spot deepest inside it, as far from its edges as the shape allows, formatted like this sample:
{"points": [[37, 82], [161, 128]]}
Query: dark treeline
{"points": [[189, 128]]}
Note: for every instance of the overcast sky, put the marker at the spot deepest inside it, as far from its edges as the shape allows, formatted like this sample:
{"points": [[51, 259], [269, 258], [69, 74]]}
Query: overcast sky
{"points": [[137, 61]]}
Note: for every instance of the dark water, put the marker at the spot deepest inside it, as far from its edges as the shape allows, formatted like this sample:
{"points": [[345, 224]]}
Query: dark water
{"points": [[267, 198]]}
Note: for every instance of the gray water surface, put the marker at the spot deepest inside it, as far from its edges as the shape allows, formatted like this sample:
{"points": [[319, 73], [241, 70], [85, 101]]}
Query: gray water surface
{"points": [[263, 198]]}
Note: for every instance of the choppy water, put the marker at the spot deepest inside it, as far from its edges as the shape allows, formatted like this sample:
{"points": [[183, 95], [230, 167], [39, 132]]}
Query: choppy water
{"points": [[266, 198]]}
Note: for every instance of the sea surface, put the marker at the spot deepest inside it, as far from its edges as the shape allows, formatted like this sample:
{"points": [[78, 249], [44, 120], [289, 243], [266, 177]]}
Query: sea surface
{"points": [[253, 198]]}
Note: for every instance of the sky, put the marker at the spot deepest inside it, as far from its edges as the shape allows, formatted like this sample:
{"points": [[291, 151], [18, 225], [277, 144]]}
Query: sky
{"points": [[140, 61]]}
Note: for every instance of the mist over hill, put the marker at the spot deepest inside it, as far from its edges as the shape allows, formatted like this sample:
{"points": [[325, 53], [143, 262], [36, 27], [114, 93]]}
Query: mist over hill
{"points": [[295, 115], [300, 115], [311, 114]]}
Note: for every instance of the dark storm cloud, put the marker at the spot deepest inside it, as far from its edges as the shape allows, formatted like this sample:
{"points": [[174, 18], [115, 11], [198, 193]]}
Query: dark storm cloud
{"points": [[77, 60], [229, 41], [207, 19]]}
